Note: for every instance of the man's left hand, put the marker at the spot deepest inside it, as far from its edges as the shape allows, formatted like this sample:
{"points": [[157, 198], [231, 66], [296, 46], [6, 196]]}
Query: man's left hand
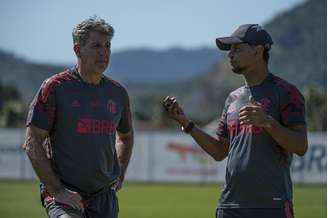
{"points": [[117, 184]]}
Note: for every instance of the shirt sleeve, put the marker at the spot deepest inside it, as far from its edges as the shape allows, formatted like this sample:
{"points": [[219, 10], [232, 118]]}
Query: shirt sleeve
{"points": [[42, 109], [292, 107], [125, 124], [222, 129]]}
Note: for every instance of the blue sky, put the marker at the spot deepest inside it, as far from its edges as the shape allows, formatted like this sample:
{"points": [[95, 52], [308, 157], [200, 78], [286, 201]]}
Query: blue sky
{"points": [[40, 30]]}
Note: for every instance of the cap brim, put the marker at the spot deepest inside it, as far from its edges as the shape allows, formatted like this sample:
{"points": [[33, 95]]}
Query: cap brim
{"points": [[224, 43]]}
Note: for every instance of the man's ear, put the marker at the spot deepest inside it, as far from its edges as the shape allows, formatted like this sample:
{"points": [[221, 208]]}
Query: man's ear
{"points": [[259, 50], [77, 49]]}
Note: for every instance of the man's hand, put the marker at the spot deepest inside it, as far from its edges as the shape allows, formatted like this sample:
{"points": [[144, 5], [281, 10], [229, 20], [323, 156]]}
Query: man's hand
{"points": [[70, 198], [117, 184], [34, 148], [253, 114], [217, 148], [174, 111]]}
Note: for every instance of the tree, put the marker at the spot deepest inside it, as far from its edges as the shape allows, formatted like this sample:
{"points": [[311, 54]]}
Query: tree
{"points": [[12, 108], [316, 108]]}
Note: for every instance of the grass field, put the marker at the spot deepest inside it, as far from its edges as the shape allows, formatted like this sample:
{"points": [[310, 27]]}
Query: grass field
{"points": [[21, 200]]}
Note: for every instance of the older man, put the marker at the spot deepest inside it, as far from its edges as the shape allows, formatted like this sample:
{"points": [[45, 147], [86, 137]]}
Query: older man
{"points": [[86, 117]]}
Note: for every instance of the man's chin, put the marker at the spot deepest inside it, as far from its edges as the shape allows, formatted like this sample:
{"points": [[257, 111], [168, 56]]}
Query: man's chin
{"points": [[98, 71], [101, 68]]}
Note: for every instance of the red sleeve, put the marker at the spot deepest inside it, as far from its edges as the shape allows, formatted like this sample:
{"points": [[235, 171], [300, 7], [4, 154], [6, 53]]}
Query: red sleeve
{"points": [[42, 109], [292, 108]]}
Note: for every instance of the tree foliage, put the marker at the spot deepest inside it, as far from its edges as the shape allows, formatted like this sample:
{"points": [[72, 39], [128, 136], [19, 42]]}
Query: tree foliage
{"points": [[316, 108], [12, 108]]}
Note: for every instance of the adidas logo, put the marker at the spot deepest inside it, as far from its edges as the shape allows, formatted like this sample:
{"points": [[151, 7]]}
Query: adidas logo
{"points": [[75, 103]]}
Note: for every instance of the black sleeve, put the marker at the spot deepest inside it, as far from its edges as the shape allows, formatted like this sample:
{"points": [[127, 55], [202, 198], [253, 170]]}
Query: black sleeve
{"points": [[125, 124], [222, 129]]}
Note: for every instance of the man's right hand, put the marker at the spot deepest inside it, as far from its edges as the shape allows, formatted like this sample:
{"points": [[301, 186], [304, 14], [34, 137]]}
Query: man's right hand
{"points": [[217, 148], [174, 111], [70, 198]]}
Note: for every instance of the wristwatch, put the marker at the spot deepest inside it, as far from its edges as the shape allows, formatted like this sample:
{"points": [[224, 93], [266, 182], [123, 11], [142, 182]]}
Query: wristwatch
{"points": [[189, 127]]}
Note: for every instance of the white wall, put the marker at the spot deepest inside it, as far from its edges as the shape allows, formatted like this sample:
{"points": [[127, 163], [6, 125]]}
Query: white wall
{"points": [[168, 156]]}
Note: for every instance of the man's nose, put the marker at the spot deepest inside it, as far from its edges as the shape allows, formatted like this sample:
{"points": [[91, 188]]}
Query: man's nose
{"points": [[104, 51]]}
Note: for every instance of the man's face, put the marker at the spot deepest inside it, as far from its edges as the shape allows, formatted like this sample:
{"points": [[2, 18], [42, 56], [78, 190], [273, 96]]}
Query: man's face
{"points": [[95, 54], [242, 57]]}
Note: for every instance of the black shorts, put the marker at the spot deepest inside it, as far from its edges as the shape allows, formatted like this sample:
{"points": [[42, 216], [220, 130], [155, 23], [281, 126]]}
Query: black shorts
{"points": [[285, 212], [104, 204]]}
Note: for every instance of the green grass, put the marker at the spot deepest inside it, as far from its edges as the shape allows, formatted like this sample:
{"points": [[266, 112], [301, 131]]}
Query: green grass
{"points": [[21, 200]]}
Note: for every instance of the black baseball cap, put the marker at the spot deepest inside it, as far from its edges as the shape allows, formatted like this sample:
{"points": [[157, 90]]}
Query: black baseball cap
{"points": [[252, 34]]}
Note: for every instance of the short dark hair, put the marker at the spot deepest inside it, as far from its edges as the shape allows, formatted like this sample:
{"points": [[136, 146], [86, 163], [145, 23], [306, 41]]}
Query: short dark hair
{"points": [[81, 31]]}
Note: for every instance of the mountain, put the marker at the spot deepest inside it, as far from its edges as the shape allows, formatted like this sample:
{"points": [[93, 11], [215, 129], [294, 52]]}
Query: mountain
{"points": [[26, 76], [144, 65], [299, 53], [201, 78]]}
